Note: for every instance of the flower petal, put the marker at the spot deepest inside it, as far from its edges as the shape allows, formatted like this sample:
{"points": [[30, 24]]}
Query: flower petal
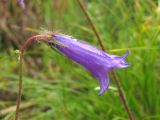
{"points": [[103, 79], [125, 55]]}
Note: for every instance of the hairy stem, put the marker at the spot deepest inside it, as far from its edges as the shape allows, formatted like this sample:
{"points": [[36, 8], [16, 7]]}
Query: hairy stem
{"points": [[45, 39], [120, 90], [20, 86]]}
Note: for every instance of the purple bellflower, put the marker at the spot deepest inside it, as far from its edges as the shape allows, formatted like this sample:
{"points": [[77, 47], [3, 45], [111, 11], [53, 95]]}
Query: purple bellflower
{"points": [[96, 61], [21, 3]]}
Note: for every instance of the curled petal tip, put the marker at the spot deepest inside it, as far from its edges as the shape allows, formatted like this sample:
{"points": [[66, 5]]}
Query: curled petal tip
{"points": [[125, 55], [124, 63], [102, 90], [120, 62], [104, 83]]}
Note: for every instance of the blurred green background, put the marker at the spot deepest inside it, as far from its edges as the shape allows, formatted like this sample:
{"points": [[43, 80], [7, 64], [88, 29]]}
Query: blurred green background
{"points": [[56, 88]]}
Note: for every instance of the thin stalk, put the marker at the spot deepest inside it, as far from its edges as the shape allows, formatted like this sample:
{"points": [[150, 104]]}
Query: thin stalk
{"points": [[23, 48], [20, 86], [120, 90], [91, 23], [122, 96]]}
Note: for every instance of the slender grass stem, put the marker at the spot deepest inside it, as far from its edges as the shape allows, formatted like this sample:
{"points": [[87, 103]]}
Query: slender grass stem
{"points": [[92, 24], [120, 90], [122, 96]]}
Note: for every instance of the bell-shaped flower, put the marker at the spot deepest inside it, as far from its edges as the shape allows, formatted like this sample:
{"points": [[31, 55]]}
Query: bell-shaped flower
{"points": [[96, 61]]}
